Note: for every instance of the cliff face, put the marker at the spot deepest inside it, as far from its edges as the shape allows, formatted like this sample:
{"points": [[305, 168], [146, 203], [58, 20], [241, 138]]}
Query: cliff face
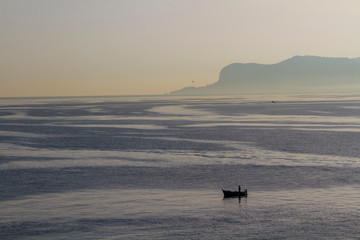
{"points": [[297, 74]]}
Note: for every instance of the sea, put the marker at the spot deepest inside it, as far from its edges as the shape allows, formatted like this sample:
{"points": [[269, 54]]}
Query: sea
{"points": [[153, 167]]}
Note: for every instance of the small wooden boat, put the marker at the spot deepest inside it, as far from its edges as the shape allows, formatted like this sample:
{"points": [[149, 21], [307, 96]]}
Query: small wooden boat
{"points": [[228, 194]]}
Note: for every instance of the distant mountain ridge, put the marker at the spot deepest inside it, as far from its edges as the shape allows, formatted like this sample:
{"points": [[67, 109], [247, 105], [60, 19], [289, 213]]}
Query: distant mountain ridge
{"points": [[297, 74]]}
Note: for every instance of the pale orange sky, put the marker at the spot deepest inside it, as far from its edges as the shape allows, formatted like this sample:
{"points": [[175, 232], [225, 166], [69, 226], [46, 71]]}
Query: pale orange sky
{"points": [[125, 47]]}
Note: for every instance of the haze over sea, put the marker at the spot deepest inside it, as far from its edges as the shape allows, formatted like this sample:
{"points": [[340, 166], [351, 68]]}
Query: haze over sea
{"points": [[152, 167]]}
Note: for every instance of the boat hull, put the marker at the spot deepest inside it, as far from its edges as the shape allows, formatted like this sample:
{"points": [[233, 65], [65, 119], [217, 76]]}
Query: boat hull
{"points": [[228, 194]]}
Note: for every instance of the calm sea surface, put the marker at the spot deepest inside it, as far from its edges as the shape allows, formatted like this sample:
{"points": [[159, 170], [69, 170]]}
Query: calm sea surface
{"points": [[153, 167]]}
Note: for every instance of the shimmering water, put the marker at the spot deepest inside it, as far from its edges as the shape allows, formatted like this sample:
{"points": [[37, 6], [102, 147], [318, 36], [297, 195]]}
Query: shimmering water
{"points": [[153, 167]]}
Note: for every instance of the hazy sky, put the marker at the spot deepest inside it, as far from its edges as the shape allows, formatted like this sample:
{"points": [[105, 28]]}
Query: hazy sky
{"points": [[124, 47]]}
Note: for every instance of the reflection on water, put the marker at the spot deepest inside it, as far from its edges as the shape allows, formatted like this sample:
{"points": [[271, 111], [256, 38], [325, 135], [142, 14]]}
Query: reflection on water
{"points": [[242, 153], [153, 167], [333, 209], [131, 126]]}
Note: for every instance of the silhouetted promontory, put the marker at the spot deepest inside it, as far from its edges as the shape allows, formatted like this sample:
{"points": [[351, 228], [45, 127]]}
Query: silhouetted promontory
{"points": [[297, 74]]}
